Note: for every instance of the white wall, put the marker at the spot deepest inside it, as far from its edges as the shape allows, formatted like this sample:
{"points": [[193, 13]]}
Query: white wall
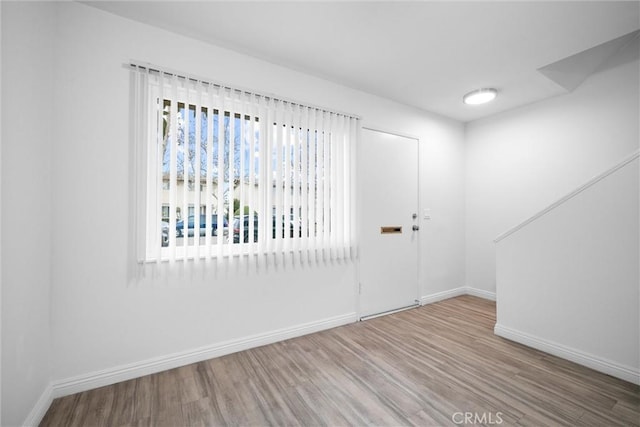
{"points": [[521, 161], [569, 282], [102, 322], [27, 128]]}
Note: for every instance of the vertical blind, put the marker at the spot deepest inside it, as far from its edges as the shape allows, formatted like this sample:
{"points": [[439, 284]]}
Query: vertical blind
{"points": [[224, 172]]}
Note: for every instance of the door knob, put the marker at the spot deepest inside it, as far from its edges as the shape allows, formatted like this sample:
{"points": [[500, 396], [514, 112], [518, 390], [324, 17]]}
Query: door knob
{"points": [[415, 228]]}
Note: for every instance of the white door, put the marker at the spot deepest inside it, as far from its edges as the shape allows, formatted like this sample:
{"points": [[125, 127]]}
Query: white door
{"points": [[388, 212]]}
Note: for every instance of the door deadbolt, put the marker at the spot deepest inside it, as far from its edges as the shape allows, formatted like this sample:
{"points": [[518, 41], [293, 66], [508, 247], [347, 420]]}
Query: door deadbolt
{"points": [[414, 216]]}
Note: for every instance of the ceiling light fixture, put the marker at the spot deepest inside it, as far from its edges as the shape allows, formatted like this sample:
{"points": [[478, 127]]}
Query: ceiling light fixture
{"points": [[480, 96]]}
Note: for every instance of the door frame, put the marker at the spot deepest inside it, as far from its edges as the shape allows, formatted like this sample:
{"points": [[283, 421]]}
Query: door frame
{"points": [[359, 230]]}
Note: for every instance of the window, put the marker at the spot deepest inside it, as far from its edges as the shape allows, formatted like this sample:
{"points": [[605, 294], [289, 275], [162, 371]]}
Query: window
{"points": [[269, 176]]}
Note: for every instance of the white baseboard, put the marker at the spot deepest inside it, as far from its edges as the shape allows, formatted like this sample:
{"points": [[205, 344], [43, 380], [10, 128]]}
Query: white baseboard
{"points": [[42, 405], [440, 296], [590, 361], [463, 290], [480, 293], [158, 364]]}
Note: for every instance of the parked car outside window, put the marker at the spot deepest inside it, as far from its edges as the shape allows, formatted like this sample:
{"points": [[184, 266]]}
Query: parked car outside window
{"points": [[236, 228], [203, 225]]}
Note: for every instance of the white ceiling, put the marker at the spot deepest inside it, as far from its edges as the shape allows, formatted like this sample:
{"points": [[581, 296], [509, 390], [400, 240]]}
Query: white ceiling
{"points": [[424, 54]]}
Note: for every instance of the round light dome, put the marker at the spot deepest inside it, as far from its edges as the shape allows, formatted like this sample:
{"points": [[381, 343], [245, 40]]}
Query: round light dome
{"points": [[480, 96]]}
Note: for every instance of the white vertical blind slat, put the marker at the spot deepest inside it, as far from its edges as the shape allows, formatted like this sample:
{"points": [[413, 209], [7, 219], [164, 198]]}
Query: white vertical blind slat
{"points": [[159, 166], [305, 135], [329, 179], [316, 134], [142, 114], [320, 185], [344, 150], [296, 181], [220, 173], [334, 191], [231, 160], [185, 170], [197, 200], [352, 182], [241, 178], [251, 109], [338, 204], [326, 140], [342, 202], [262, 182], [209, 172], [332, 206], [173, 167], [278, 178], [268, 176], [288, 158]]}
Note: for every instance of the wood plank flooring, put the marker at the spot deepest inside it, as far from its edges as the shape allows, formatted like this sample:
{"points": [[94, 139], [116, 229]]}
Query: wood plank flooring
{"points": [[433, 365]]}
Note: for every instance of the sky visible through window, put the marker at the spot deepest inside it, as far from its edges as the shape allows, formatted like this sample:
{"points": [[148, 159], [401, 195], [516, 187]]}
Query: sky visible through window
{"points": [[210, 118]]}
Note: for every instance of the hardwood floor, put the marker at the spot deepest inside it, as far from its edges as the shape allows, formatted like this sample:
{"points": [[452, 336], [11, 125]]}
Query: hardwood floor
{"points": [[439, 364]]}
